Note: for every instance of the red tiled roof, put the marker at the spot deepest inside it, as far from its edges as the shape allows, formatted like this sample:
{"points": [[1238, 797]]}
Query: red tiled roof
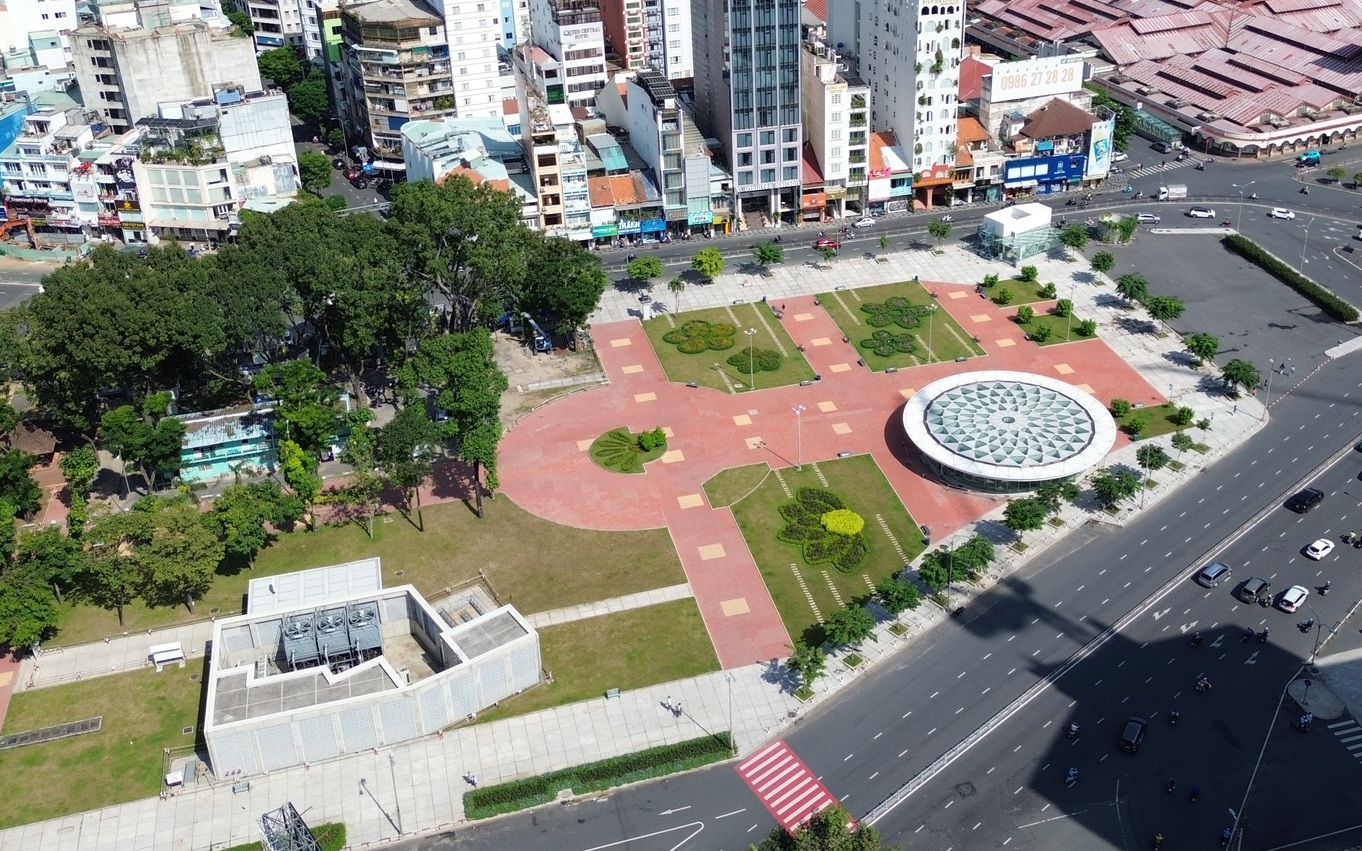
{"points": [[968, 129], [475, 178], [1057, 118], [626, 190], [810, 172], [972, 74], [819, 8], [878, 142], [599, 190]]}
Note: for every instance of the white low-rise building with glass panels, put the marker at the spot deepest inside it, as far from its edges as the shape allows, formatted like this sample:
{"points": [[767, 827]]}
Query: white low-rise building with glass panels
{"points": [[1007, 431]]}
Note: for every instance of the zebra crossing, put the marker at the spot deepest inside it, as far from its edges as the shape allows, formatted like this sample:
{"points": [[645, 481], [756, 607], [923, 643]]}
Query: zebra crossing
{"points": [[1349, 733], [784, 784], [1146, 169]]}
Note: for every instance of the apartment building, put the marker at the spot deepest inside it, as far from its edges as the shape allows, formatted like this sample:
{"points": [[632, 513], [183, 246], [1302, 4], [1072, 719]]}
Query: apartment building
{"points": [[127, 64], [747, 95], [626, 33], [395, 58], [37, 33], [474, 29], [553, 151], [38, 169], [277, 23], [572, 35], [835, 107]]}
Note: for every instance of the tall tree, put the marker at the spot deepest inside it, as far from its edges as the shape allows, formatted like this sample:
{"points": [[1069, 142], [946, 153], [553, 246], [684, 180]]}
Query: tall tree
{"points": [[365, 485], [563, 282], [1202, 346], [315, 171], [16, 486], [28, 612], [1025, 514], [1239, 374], [310, 100], [281, 66], [177, 563], [831, 829], [464, 242], [850, 625], [56, 559], [9, 418], [406, 447], [305, 402], [1074, 236], [767, 253], [1103, 262], [255, 299], [78, 467], [1164, 308], [676, 286], [299, 468], [1132, 287], [111, 577]]}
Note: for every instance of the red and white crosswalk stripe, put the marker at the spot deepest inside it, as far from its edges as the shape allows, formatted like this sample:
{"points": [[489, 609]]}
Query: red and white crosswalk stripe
{"points": [[784, 784]]}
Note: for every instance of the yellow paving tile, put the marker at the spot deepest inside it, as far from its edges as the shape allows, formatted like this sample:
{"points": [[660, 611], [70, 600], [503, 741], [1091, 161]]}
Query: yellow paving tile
{"points": [[709, 552], [671, 456], [742, 420], [981, 317], [622, 341], [584, 445], [753, 442], [690, 500], [735, 607], [632, 368], [908, 392], [841, 428], [9, 675], [1086, 388], [1064, 369], [1005, 343], [957, 294], [820, 341], [827, 407], [803, 317], [667, 430], [645, 397], [840, 367]]}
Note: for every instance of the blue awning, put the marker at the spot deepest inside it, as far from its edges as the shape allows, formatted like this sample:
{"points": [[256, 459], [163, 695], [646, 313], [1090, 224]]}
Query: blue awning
{"points": [[1045, 146]]}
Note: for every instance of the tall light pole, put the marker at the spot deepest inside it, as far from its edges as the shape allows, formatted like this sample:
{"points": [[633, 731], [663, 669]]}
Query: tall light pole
{"points": [[1242, 190], [1267, 394], [931, 314], [751, 357], [1069, 324], [1301, 267], [799, 436]]}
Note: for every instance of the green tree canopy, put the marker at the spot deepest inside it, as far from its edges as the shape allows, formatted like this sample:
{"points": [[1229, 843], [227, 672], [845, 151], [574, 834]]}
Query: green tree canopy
{"points": [[808, 663], [28, 611], [315, 171], [850, 625], [644, 268], [708, 262], [1132, 287], [17, 487], [897, 594], [79, 467], [55, 559], [1025, 514], [1113, 485], [1202, 346], [939, 230], [1164, 308], [767, 253], [406, 447], [1239, 374], [831, 829], [310, 100], [1074, 236], [282, 66], [177, 562], [563, 283], [240, 513], [1103, 262]]}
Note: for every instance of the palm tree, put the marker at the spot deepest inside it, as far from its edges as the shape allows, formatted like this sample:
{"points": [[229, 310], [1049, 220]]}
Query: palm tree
{"points": [[677, 286]]}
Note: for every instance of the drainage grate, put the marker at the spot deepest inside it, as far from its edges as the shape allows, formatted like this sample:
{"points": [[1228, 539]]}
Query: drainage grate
{"points": [[47, 734], [187, 731]]}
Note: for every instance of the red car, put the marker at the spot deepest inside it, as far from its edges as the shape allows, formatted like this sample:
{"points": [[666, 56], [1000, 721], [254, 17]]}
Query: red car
{"points": [[827, 242]]}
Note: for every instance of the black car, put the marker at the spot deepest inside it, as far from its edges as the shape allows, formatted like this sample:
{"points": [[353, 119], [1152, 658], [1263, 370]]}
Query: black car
{"points": [[338, 163], [1133, 734], [1305, 501], [1256, 590]]}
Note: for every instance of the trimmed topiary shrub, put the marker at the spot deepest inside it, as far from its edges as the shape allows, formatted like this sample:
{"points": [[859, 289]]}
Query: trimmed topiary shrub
{"points": [[843, 521], [894, 311], [1087, 328], [697, 335], [760, 360], [885, 343], [1119, 408], [804, 526], [621, 451]]}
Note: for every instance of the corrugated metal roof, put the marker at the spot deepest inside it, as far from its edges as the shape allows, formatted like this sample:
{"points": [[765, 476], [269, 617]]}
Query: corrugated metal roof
{"points": [[313, 587]]}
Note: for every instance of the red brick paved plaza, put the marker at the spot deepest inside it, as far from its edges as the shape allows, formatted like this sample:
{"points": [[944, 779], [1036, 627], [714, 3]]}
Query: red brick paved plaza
{"points": [[545, 465]]}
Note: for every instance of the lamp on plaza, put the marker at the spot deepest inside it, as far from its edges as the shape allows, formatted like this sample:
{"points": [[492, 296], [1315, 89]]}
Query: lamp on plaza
{"points": [[799, 437], [931, 314], [751, 357], [1069, 324]]}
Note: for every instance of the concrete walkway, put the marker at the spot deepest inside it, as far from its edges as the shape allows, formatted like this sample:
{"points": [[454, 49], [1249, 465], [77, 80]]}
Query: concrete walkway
{"points": [[417, 784], [553, 617], [110, 656]]}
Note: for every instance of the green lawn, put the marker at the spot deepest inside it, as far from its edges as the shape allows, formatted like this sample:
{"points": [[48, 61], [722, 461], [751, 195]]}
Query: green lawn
{"points": [[531, 563], [1060, 328], [947, 340], [625, 650], [1157, 420], [864, 489], [711, 368], [1022, 292], [729, 486], [143, 712]]}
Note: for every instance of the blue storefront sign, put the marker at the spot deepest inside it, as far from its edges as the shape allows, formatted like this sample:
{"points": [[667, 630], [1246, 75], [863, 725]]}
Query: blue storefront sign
{"points": [[1043, 172], [627, 228], [654, 225], [705, 217]]}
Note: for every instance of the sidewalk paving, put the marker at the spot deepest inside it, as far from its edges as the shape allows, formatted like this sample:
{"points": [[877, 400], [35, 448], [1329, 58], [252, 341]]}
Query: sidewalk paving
{"points": [[420, 779], [553, 617]]}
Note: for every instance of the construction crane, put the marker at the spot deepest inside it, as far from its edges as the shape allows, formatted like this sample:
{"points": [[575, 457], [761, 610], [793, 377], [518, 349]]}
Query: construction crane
{"points": [[541, 340]]}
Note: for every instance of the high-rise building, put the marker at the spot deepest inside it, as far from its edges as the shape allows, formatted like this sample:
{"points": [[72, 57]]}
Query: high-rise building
{"points": [[747, 93], [669, 38], [570, 32], [474, 31], [37, 32], [835, 108], [277, 23], [127, 63], [395, 56], [626, 34]]}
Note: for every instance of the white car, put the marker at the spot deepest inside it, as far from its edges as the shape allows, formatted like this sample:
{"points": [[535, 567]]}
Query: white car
{"points": [[1281, 213], [1292, 598], [1120, 157], [1319, 549], [1201, 213], [864, 222]]}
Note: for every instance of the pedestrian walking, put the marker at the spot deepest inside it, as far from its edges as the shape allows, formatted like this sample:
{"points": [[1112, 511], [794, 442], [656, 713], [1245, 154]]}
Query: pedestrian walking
{"points": [[677, 709]]}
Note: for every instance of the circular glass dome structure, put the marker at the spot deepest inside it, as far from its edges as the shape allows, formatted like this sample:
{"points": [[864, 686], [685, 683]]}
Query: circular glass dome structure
{"points": [[1007, 431]]}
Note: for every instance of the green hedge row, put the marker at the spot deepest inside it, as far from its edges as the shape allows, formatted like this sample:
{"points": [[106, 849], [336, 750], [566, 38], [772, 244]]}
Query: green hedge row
{"points": [[1322, 298], [628, 768]]}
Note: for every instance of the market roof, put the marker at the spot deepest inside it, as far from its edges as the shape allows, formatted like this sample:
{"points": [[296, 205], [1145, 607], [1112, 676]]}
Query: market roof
{"points": [[1009, 426]]}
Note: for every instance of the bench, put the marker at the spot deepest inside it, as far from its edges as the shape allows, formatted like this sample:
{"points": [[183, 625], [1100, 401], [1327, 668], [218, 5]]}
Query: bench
{"points": [[164, 654]]}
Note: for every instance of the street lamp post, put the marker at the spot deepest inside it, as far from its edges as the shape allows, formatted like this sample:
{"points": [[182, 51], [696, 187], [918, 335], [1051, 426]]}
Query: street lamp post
{"points": [[1306, 246], [799, 436], [1267, 394], [1069, 324], [931, 314], [751, 357], [1242, 190]]}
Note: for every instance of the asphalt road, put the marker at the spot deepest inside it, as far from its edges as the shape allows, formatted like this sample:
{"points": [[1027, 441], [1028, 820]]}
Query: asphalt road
{"points": [[20, 279]]}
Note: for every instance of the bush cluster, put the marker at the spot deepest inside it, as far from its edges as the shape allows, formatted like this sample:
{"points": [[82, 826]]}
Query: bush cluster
{"points": [[607, 773], [758, 360], [885, 343], [330, 837], [894, 311], [804, 526], [843, 521], [697, 335], [650, 440], [1321, 297]]}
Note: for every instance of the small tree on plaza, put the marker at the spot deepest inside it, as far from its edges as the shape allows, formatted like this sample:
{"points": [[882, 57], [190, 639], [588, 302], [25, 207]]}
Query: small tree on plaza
{"points": [[1239, 374], [1103, 262], [1202, 346], [939, 229], [767, 253], [1025, 514], [708, 262]]}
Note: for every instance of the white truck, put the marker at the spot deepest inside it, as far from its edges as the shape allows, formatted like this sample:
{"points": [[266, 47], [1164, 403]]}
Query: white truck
{"points": [[1173, 192]]}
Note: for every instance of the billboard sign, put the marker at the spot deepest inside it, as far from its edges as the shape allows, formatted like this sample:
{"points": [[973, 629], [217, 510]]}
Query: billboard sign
{"points": [[1036, 78], [1099, 148]]}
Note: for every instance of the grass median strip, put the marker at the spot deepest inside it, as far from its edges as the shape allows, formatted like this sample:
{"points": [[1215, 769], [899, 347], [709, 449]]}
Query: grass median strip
{"points": [[595, 776]]}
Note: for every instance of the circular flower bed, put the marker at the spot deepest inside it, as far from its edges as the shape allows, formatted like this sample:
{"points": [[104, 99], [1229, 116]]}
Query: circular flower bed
{"points": [[697, 335]]}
